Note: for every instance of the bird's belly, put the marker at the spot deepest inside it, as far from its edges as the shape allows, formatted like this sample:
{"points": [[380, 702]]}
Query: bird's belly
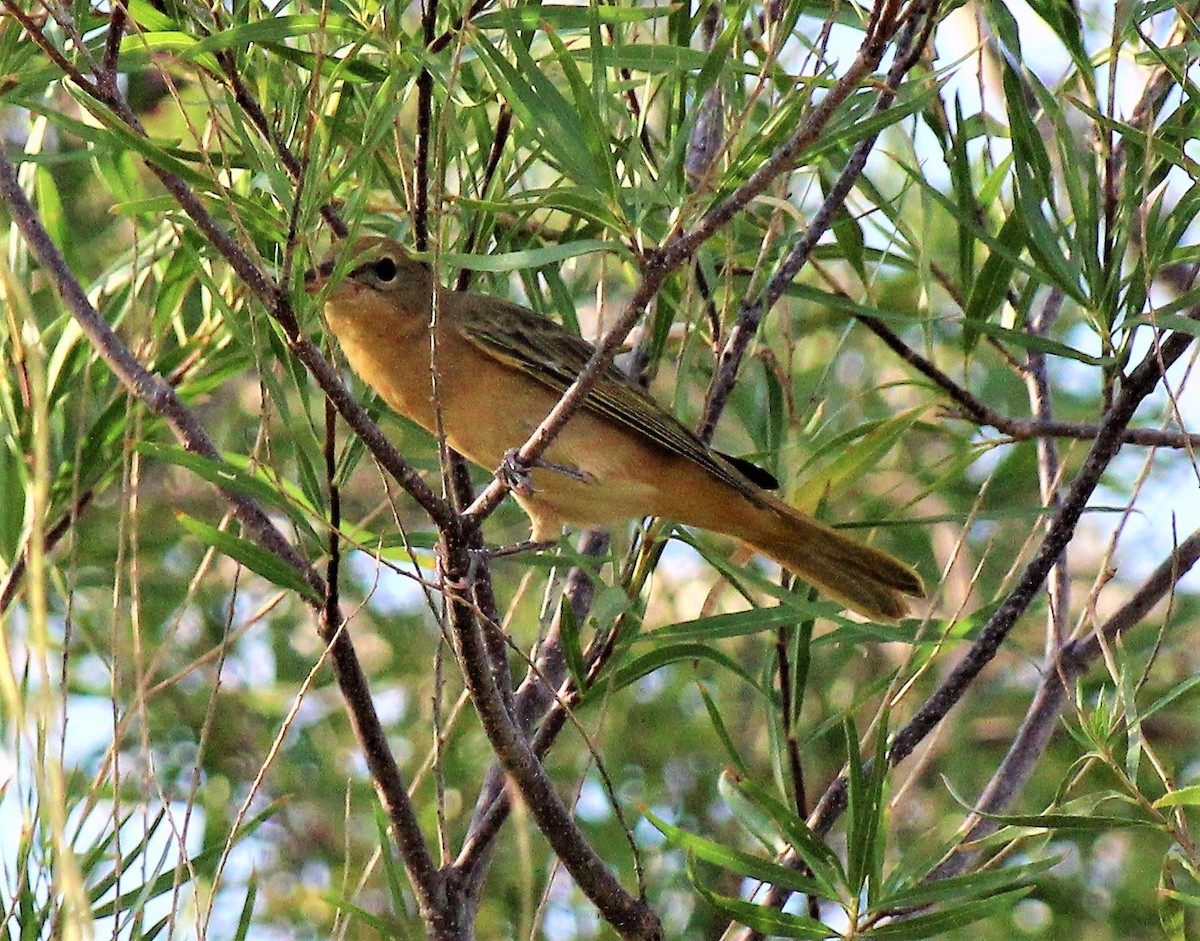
{"points": [[605, 474]]}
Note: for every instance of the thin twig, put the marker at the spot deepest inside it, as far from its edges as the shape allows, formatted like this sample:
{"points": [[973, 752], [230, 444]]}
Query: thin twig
{"points": [[162, 400], [1137, 386], [631, 917], [1041, 719], [975, 410]]}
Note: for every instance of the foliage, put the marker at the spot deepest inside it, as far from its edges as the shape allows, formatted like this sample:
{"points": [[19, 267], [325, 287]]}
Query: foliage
{"points": [[930, 282]]}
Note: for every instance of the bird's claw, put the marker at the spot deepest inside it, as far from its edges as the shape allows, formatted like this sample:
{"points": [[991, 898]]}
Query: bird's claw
{"points": [[476, 557], [517, 475]]}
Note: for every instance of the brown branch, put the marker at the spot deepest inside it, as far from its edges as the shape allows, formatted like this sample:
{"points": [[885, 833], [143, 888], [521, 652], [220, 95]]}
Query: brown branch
{"points": [[1071, 663], [444, 39], [12, 578], [1134, 389], [535, 704], [117, 18], [1049, 469], [52, 52], [424, 129], [631, 917], [975, 410]]}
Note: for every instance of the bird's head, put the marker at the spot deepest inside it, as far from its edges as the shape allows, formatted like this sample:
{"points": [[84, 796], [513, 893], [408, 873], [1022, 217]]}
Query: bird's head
{"points": [[383, 279]]}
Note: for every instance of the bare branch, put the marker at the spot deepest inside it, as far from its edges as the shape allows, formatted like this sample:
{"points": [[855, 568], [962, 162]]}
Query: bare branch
{"points": [[973, 409], [1136, 387], [1041, 719], [631, 917]]}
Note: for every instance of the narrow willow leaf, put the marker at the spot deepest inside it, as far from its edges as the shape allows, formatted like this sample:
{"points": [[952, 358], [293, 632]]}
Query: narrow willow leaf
{"points": [[970, 886], [562, 17], [226, 475], [1039, 344], [532, 257], [572, 649], [937, 923], [763, 918], [677, 653], [718, 724], [251, 555], [737, 624], [1181, 797], [991, 285], [734, 861], [823, 862]]}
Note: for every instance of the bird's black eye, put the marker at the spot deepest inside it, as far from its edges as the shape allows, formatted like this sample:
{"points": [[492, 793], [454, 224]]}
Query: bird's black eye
{"points": [[385, 269]]}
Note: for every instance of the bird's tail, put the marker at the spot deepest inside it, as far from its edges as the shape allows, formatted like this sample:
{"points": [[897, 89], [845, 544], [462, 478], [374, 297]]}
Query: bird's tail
{"points": [[865, 580]]}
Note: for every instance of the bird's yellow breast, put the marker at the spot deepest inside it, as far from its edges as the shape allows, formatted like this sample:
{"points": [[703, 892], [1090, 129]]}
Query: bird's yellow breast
{"points": [[487, 408]]}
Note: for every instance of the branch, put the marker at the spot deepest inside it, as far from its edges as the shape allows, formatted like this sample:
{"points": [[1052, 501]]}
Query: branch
{"points": [[973, 409], [1136, 387], [631, 917], [162, 400], [535, 705], [1072, 662]]}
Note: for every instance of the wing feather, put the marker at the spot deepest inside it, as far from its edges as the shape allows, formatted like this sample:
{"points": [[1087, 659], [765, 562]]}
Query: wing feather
{"points": [[546, 352]]}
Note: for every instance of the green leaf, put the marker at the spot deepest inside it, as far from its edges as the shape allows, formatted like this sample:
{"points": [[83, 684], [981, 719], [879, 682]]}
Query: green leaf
{"points": [[734, 861], [532, 257], [1039, 344], [1180, 324], [562, 17], [991, 284], [823, 862], [763, 918], [677, 653], [662, 59], [542, 109], [1181, 797], [257, 485], [972, 885], [572, 650], [1089, 823], [135, 899], [739, 623], [251, 555], [936, 923], [718, 724]]}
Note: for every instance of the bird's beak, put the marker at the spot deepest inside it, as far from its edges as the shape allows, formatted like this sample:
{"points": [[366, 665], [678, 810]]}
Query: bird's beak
{"points": [[315, 278]]}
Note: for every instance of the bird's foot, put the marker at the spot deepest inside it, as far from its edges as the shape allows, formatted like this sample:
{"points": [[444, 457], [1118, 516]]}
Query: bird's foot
{"points": [[476, 557], [517, 475], [515, 548]]}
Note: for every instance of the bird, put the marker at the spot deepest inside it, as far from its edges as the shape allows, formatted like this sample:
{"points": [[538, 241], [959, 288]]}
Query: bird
{"points": [[501, 367]]}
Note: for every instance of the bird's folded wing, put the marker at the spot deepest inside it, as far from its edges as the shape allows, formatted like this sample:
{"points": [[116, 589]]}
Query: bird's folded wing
{"points": [[555, 358]]}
